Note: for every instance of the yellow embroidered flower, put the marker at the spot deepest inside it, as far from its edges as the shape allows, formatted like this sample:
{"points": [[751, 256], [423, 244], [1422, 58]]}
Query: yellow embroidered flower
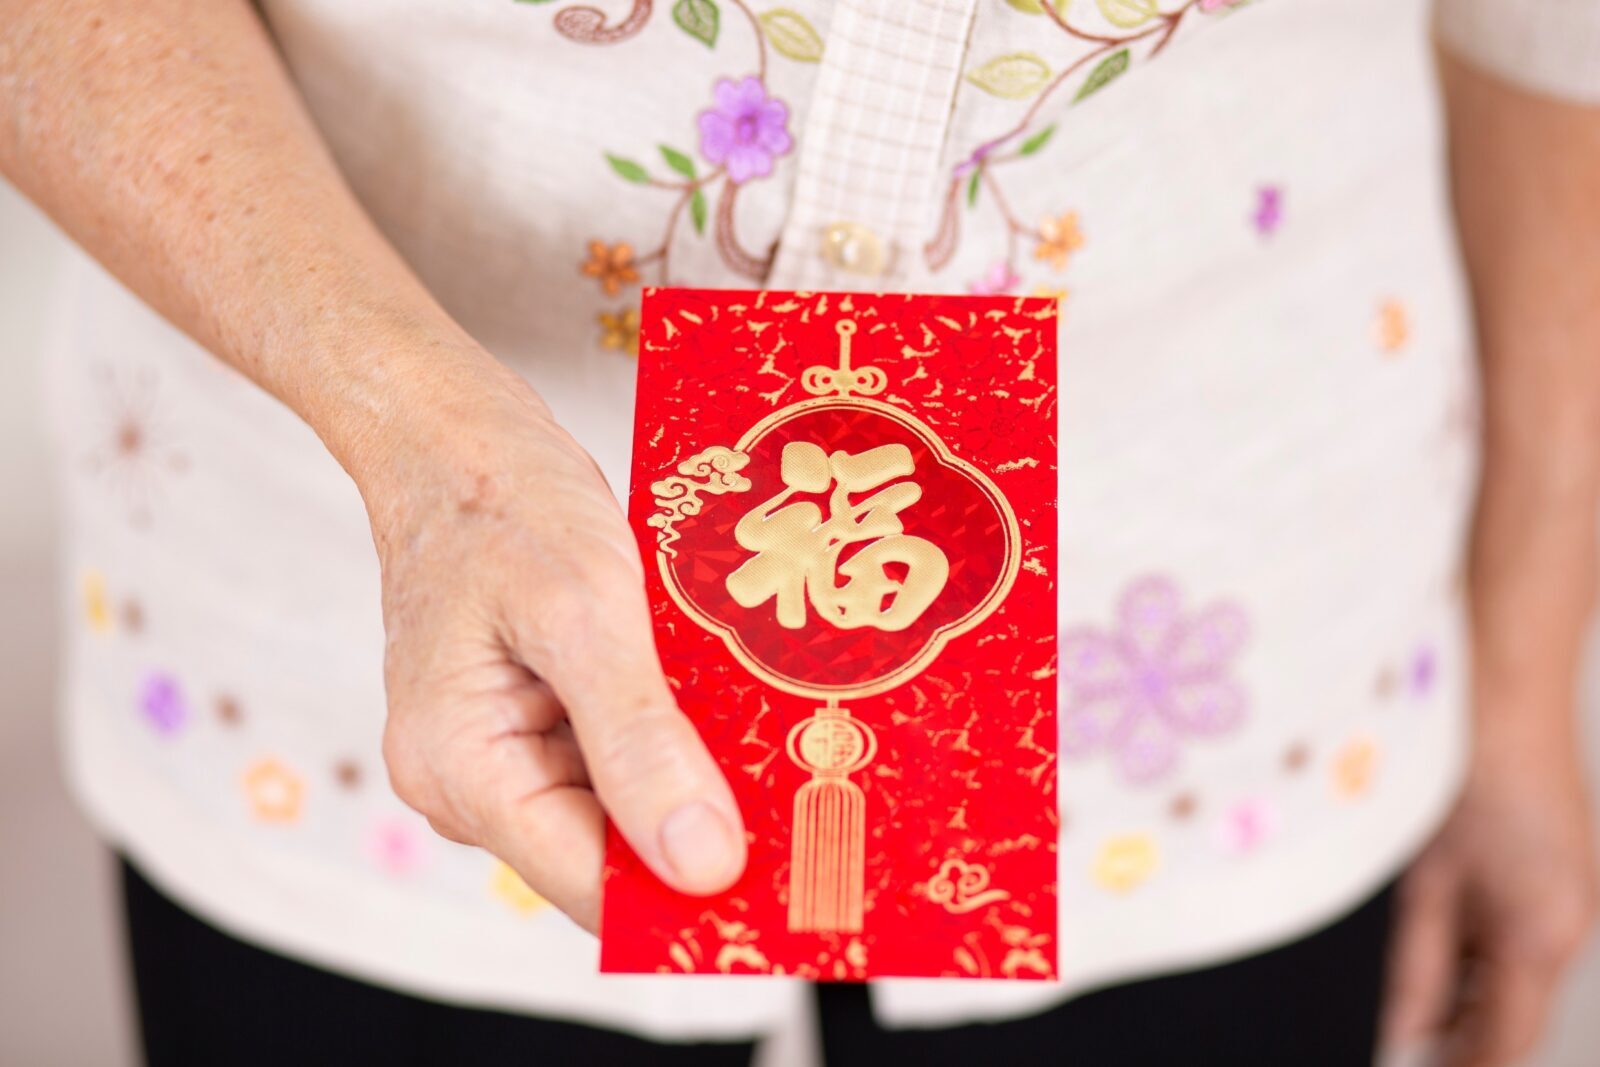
{"points": [[273, 790], [614, 266], [1058, 238], [1124, 861], [619, 330], [1354, 767], [508, 885], [1393, 326], [96, 606]]}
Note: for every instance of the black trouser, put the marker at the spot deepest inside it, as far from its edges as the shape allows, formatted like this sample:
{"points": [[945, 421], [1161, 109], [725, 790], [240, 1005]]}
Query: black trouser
{"points": [[207, 999]]}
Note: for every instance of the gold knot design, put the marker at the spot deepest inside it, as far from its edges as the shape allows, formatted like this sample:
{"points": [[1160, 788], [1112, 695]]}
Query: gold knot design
{"points": [[843, 379]]}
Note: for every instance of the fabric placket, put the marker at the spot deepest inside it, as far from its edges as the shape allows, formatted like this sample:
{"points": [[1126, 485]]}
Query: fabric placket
{"points": [[870, 148]]}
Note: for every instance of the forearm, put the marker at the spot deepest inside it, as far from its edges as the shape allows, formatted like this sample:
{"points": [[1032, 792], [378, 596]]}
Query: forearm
{"points": [[165, 137], [1524, 174]]}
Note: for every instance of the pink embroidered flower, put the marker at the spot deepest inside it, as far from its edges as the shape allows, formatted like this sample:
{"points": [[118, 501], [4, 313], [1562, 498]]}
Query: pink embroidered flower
{"points": [[1139, 690], [1246, 826], [395, 845], [1269, 210], [999, 279], [744, 129]]}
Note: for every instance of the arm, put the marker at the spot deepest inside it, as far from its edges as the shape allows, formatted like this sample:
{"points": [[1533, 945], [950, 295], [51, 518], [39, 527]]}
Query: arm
{"points": [[1510, 885], [524, 691]]}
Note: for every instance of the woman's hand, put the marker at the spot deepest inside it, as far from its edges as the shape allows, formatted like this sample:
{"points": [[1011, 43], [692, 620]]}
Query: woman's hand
{"points": [[524, 691], [1501, 902]]}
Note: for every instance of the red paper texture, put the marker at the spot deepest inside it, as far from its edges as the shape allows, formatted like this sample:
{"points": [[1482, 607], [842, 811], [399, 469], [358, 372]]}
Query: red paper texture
{"points": [[846, 508]]}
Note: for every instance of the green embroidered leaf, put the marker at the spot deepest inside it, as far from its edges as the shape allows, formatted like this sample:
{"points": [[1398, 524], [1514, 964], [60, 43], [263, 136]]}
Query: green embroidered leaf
{"points": [[1014, 77], [791, 35], [972, 186], [1128, 13], [1036, 142], [1105, 72], [628, 169], [697, 211], [678, 161], [698, 18]]}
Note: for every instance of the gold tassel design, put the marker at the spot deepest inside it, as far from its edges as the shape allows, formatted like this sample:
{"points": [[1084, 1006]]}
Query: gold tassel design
{"points": [[827, 870]]}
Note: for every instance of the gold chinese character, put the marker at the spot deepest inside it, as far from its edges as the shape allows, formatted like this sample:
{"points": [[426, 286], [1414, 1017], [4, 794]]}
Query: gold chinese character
{"points": [[798, 552]]}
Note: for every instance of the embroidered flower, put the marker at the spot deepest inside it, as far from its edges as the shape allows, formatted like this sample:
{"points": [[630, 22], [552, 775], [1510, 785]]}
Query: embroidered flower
{"points": [[1354, 767], [96, 605], [273, 791], [614, 266], [1123, 862], [1393, 327], [229, 711], [1269, 209], [619, 330], [161, 701], [135, 450], [1159, 677], [1059, 237], [1246, 826], [396, 846], [999, 279], [1424, 671], [744, 129], [508, 885]]}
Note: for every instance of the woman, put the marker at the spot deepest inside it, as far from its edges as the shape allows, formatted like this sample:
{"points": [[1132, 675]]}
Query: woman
{"points": [[1270, 430]]}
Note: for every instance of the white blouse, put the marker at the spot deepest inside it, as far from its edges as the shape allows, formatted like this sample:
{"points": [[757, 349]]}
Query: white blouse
{"points": [[1268, 426]]}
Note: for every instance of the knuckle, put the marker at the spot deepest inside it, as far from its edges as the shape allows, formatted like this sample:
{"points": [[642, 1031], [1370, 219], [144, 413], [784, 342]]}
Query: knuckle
{"points": [[450, 830], [645, 753], [410, 777], [1560, 928]]}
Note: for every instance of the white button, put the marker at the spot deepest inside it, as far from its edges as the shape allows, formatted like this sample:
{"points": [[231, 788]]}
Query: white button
{"points": [[853, 247]]}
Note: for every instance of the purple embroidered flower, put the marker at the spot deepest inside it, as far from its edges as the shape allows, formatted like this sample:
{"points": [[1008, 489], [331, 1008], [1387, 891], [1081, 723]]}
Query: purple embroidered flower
{"points": [[162, 703], [1139, 690], [999, 279], [1269, 210], [744, 129], [1424, 669]]}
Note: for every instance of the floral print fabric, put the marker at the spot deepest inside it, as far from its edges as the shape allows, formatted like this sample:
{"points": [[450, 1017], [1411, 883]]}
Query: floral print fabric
{"points": [[1266, 445]]}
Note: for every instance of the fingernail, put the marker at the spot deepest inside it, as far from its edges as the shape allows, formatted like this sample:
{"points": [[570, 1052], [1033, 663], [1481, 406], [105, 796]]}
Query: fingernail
{"points": [[700, 847]]}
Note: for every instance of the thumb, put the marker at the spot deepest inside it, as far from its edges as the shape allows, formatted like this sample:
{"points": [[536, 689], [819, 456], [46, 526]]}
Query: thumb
{"points": [[653, 774]]}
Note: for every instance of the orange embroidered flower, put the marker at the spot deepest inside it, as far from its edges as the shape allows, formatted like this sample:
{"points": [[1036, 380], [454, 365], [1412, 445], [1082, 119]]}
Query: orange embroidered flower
{"points": [[508, 885], [1354, 767], [614, 266], [1393, 326], [1122, 862], [273, 790], [619, 330], [1059, 237]]}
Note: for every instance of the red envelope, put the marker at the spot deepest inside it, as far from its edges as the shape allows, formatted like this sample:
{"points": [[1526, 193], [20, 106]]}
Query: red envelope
{"points": [[846, 507]]}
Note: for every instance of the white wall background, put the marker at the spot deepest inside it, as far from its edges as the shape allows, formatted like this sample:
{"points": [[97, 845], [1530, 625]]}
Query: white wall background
{"points": [[64, 998]]}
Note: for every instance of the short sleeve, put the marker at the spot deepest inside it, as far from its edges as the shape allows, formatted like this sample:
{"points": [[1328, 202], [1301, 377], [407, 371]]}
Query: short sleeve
{"points": [[1547, 46]]}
